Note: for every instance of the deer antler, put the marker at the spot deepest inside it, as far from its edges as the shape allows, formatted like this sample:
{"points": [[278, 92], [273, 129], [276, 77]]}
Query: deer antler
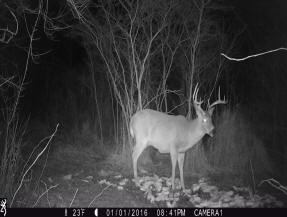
{"points": [[219, 101], [194, 96]]}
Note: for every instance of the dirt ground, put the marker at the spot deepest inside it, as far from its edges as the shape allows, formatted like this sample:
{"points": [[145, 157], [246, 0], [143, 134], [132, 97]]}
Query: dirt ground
{"points": [[78, 179]]}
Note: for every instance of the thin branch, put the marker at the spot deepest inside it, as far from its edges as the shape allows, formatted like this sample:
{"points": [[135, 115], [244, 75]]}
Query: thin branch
{"points": [[274, 183], [45, 192], [34, 149], [252, 56], [99, 194], [29, 54], [33, 163], [8, 80], [73, 198], [12, 34]]}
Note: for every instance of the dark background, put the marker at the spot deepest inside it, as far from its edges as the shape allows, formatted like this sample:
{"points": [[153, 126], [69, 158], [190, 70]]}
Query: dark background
{"points": [[265, 24]]}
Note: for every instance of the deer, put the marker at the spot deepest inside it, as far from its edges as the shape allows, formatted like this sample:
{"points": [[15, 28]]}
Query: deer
{"points": [[171, 134]]}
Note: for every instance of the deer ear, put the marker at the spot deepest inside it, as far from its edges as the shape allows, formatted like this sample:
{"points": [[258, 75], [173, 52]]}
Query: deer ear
{"points": [[210, 111]]}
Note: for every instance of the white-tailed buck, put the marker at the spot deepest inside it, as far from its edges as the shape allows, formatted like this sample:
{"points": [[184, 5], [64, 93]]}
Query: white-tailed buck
{"points": [[171, 134]]}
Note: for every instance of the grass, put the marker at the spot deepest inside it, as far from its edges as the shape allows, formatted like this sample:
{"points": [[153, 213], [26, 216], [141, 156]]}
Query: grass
{"points": [[235, 148]]}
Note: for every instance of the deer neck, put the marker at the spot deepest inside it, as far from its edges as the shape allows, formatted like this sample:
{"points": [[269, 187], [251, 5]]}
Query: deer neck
{"points": [[196, 132]]}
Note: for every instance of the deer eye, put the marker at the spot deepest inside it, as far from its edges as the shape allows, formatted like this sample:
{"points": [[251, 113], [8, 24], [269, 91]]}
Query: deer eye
{"points": [[204, 120]]}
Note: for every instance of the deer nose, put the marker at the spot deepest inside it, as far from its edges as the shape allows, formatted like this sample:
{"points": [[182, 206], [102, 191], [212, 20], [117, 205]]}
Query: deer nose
{"points": [[210, 132]]}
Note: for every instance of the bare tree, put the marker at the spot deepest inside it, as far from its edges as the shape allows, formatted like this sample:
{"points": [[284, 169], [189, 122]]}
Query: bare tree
{"points": [[12, 84], [146, 43]]}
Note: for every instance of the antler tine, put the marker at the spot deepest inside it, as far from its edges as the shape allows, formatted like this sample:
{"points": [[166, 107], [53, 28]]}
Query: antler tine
{"points": [[194, 92], [194, 97], [219, 101]]}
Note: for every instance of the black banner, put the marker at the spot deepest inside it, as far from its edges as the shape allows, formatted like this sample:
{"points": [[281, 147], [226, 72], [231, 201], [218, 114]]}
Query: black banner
{"points": [[134, 212]]}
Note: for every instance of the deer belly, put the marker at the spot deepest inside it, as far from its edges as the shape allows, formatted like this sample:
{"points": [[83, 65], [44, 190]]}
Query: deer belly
{"points": [[162, 148], [183, 147]]}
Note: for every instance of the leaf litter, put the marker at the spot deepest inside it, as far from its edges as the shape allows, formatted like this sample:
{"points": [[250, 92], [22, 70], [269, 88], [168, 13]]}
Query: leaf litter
{"points": [[201, 194]]}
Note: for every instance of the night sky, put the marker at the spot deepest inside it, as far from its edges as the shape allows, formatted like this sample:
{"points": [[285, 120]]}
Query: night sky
{"points": [[266, 22]]}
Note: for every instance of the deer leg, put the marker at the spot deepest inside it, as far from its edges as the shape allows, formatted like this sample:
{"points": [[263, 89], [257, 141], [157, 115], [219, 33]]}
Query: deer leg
{"points": [[180, 160], [173, 155], [138, 149]]}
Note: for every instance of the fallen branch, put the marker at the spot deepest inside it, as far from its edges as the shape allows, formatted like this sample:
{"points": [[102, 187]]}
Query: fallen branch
{"points": [[99, 194], [274, 183]]}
